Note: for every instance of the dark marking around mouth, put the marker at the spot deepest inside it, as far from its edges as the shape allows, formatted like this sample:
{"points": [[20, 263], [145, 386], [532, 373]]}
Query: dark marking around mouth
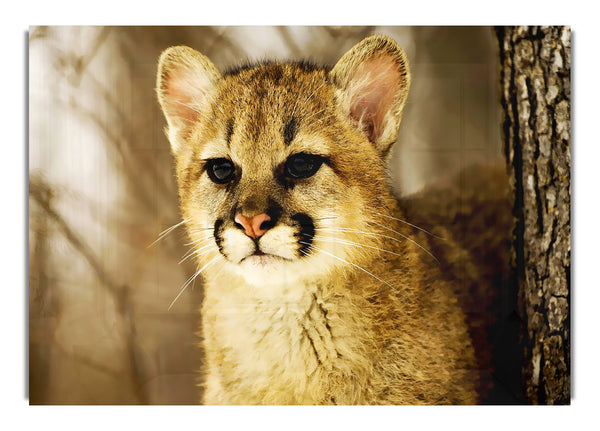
{"points": [[217, 234], [274, 212], [307, 231]]}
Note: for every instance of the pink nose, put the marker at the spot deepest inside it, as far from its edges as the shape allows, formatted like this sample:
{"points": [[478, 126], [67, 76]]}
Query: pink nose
{"points": [[252, 225]]}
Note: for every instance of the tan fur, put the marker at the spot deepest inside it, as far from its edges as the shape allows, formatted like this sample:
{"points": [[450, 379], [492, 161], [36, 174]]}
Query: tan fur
{"points": [[343, 324]]}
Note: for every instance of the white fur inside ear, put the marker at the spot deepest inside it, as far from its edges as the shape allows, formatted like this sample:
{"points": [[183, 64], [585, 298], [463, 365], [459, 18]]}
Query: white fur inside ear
{"points": [[372, 94], [372, 81], [186, 82], [186, 93]]}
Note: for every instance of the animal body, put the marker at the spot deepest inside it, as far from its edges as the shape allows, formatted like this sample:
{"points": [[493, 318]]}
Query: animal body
{"points": [[317, 290]]}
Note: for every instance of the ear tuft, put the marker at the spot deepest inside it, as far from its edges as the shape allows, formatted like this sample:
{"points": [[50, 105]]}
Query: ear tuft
{"points": [[373, 81], [184, 83]]}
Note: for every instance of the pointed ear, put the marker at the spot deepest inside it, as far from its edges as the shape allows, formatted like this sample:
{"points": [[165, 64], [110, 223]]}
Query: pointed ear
{"points": [[373, 80], [184, 84]]}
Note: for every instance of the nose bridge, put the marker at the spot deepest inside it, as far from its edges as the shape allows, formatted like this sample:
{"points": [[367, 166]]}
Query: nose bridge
{"points": [[254, 197], [257, 186]]}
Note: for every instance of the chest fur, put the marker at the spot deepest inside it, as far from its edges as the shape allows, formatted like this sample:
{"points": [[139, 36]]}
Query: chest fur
{"points": [[277, 351]]}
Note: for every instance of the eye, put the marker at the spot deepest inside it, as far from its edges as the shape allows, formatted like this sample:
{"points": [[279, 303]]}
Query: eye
{"points": [[221, 171], [303, 165]]}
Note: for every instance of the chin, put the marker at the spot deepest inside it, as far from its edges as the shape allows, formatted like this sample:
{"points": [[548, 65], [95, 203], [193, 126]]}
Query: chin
{"points": [[269, 270]]}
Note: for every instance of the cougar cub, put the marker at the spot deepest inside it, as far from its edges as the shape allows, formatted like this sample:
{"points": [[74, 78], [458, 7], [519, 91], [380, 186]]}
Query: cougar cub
{"points": [[317, 290]]}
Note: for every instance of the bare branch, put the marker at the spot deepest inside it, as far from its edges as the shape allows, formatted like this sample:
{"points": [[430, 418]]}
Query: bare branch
{"points": [[40, 192]]}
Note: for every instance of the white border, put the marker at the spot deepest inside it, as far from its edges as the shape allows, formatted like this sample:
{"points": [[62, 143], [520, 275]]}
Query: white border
{"points": [[579, 15]]}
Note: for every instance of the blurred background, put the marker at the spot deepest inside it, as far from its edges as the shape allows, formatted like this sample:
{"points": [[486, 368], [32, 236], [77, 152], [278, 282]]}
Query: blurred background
{"points": [[102, 189]]}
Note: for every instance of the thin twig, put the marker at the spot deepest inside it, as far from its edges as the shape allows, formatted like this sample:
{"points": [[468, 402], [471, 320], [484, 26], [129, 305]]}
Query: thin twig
{"points": [[39, 191]]}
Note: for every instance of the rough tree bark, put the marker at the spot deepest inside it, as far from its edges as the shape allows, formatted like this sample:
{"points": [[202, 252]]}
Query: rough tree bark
{"points": [[536, 97]]}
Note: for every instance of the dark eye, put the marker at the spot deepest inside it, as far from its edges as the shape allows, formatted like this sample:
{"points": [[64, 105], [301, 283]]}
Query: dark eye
{"points": [[303, 165], [221, 171]]}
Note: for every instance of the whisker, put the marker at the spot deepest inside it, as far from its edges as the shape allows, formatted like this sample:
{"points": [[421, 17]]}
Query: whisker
{"points": [[405, 222], [408, 238], [349, 263], [219, 271], [199, 240], [192, 278], [356, 244], [194, 252], [168, 230], [380, 235]]}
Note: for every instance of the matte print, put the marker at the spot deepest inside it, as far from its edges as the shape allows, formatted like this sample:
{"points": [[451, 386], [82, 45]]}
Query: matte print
{"points": [[299, 215]]}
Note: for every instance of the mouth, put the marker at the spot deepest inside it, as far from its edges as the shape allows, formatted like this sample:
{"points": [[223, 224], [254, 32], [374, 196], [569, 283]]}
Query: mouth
{"points": [[260, 258]]}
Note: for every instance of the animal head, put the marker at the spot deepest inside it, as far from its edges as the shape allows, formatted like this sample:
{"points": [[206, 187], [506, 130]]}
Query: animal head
{"points": [[281, 165]]}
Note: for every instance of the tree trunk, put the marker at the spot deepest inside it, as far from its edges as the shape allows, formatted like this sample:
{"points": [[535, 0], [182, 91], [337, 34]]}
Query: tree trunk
{"points": [[536, 97]]}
